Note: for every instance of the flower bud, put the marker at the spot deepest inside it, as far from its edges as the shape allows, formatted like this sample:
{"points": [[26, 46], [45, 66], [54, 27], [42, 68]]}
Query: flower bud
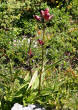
{"points": [[42, 13], [47, 10], [50, 17], [37, 17], [40, 42]]}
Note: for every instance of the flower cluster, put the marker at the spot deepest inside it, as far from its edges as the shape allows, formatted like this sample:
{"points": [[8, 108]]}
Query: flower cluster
{"points": [[40, 42], [44, 15]]}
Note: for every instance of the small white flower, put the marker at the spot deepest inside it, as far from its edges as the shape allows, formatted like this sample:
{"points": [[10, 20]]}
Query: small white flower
{"points": [[15, 41]]}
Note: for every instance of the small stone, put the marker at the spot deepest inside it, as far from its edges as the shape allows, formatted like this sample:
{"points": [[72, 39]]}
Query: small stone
{"points": [[17, 107], [26, 108], [29, 107]]}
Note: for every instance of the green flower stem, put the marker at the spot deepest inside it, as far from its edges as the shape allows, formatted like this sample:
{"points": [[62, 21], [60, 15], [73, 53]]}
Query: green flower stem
{"points": [[43, 47], [30, 60], [42, 58]]}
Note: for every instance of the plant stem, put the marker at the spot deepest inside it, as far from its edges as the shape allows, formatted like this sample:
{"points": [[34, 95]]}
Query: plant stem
{"points": [[42, 59], [30, 59], [2, 103], [11, 70], [30, 67]]}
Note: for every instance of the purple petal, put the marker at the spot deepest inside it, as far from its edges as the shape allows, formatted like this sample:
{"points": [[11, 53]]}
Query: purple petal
{"points": [[42, 13], [50, 17]]}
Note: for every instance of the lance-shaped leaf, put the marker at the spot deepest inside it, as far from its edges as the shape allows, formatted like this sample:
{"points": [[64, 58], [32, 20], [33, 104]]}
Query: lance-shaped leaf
{"points": [[33, 80]]}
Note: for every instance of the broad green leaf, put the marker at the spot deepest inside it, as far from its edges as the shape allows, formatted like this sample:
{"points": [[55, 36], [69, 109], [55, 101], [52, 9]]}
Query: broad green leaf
{"points": [[34, 81]]}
